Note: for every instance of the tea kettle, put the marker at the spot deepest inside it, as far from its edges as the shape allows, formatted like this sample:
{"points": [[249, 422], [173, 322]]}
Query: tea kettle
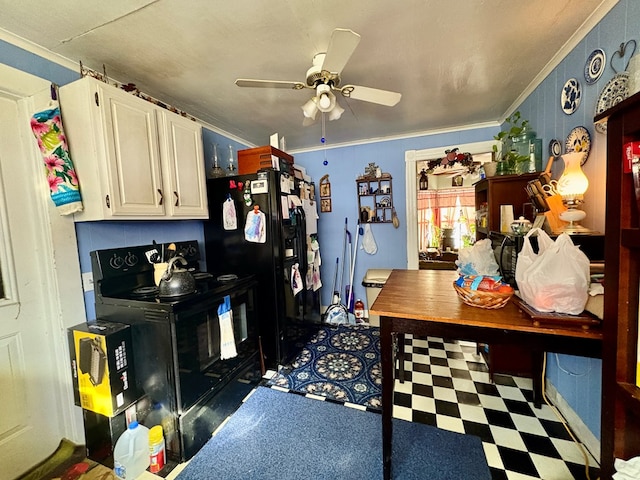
{"points": [[176, 281]]}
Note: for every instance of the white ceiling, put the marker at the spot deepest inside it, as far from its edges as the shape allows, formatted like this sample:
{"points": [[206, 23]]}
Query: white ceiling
{"points": [[456, 62]]}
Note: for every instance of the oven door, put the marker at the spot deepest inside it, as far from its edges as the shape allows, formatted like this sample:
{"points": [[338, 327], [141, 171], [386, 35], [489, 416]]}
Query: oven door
{"points": [[201, 371]]}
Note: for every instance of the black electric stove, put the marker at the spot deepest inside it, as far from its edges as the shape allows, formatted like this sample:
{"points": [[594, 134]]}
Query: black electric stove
{"points": [[176, 341]]}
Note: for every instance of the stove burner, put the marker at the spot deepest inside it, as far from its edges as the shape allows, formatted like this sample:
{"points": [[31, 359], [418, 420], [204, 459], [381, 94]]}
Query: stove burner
{"points": [[145, 292], [227, 278]]}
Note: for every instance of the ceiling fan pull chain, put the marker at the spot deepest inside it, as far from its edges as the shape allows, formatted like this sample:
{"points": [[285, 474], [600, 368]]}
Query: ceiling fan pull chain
{"points": [[323, 139]]}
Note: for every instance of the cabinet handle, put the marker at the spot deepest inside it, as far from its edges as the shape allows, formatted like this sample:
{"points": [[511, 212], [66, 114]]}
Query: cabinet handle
{"points": [[177, 199], [161, 196], [107, 201]]}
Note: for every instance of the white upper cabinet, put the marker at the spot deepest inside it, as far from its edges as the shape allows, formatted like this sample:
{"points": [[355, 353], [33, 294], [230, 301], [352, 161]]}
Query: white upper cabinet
{"points": [[134, 160], [184, 168]]}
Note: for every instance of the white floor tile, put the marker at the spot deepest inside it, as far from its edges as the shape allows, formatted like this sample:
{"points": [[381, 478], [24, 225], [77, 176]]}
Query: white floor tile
{"points": [[473, 413], [464, 385], [446, 394], [441, 371], [493, 456], [449, 423], [456, 363], [494, 403], [511, 393], [507, 438], [422, 378], [569, 450], [402, 413], [551, 468], [423, 404], [527, 424]]}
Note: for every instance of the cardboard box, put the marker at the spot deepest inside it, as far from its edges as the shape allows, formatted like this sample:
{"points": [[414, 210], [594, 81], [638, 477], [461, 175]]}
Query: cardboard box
{"points": [[102, 367], [251, 160]]}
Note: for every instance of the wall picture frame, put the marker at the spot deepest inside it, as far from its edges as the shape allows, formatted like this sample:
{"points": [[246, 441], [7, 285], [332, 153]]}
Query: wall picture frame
{"points": [[325, 205], [325, 190]]}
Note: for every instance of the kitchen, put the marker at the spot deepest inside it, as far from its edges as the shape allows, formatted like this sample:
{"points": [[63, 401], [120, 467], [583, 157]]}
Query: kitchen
{"points": [[390, 156]]}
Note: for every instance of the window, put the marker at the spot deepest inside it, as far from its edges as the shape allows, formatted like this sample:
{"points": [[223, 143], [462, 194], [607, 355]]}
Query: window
{"points": [[446, 218]]}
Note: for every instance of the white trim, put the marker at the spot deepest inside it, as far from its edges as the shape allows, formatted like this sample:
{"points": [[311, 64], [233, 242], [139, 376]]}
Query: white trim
{"points": [[424, 133], [411, 157], [36, 49], [578, 427]]}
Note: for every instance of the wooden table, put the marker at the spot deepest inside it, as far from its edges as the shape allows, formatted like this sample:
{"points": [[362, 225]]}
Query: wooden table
{"points": [[423, 302]]}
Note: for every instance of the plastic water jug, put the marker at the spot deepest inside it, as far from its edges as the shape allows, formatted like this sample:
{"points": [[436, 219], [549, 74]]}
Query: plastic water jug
{"points": [[131, 455]]}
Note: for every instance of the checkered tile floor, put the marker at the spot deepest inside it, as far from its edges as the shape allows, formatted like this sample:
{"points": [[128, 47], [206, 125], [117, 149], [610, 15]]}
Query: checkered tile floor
{"points": [[447, 385]]}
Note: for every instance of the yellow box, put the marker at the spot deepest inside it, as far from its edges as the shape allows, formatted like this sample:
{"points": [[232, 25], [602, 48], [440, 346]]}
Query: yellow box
{"points": [[102, 367]]}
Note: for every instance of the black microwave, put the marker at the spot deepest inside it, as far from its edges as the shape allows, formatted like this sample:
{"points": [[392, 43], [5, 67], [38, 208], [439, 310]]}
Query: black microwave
{"points": [[507, 246]]}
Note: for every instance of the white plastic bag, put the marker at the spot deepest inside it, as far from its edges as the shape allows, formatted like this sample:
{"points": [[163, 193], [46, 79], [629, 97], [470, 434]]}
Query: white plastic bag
{"points": [[478, 259], [556, 279]]}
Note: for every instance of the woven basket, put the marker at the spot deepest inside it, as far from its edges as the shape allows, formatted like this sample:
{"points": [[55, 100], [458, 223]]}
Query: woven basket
{"points": [[480, 299]]}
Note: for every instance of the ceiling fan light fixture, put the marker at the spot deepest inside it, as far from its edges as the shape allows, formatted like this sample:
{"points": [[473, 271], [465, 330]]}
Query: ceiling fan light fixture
{"points": [[336, 113], [325, 98], [324, 102], [310, 109]]}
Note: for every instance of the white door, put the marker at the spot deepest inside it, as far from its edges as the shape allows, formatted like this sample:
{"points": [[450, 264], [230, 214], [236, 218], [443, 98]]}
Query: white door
{"points": [[36, 402]]}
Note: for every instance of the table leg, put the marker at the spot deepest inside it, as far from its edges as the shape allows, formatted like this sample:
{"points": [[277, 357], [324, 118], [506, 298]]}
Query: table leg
{"points": [[536, 374], [400, 356], [388, 364]]}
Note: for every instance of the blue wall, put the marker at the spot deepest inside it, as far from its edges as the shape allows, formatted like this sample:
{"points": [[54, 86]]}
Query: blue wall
{"points": [[344, 165], [577, 379]]}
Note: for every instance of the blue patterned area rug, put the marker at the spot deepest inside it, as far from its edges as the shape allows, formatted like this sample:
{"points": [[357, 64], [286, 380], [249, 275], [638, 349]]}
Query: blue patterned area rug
{"points": [[282, 436], [341, 363]]}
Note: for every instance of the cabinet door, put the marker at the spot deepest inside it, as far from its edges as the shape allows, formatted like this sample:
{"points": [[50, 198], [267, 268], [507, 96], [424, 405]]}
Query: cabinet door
{"points": [[184, 168], [133, 155]]}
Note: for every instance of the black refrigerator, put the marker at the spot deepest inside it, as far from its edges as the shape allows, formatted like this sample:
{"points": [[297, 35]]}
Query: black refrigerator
{"points": [[286, 320]]}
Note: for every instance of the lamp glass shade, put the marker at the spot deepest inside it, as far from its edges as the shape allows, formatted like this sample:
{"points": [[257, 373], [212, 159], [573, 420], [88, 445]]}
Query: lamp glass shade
{"points": [[336, 113], [573, 183], [310, 109]]}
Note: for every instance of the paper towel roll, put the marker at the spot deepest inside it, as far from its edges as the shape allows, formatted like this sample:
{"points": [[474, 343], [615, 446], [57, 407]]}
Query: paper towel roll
{"points": [[506, 218]]}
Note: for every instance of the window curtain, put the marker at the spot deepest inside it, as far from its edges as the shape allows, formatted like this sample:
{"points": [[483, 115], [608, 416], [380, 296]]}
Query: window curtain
{"points": [[437, 209]]}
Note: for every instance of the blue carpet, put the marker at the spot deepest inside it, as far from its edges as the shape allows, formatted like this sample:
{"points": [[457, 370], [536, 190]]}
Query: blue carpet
{"points": [[341, 363], [283, 436]]}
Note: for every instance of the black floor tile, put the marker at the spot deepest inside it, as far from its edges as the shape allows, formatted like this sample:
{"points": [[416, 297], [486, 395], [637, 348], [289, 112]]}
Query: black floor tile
{"points": [[439, 381], [499, 419], [517, 461]]}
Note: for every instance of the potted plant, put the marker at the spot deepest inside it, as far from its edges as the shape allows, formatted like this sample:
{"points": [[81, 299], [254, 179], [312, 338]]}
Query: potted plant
{"points": [[510, 161]]}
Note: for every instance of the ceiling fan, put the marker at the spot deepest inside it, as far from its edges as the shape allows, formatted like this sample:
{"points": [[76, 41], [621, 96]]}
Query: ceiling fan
{"points": [[324, 78]]}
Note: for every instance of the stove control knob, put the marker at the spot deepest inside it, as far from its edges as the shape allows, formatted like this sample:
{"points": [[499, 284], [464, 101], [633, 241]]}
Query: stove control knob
{"points": [[116, 262], [131, 259]]}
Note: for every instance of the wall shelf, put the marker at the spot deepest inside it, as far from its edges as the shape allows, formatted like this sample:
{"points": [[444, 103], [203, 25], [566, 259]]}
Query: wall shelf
{"points": [[375, 199]]}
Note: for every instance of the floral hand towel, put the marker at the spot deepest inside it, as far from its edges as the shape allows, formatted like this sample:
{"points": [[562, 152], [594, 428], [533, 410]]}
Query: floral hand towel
{"points": [[61, 175]]}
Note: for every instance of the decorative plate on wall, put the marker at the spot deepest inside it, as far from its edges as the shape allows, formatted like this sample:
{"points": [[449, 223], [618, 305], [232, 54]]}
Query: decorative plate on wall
{"points": [[616, 90], [555, 148], [594, 66], [571, 96], [578, 140]]}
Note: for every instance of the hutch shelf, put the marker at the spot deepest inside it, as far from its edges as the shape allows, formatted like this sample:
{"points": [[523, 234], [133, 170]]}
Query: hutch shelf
{"points": [[620, 427]]}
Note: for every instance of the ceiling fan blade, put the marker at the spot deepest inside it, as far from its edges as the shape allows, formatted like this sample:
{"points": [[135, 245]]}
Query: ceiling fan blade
{"points": [[343, 43], [373, 95], [248, 82]]}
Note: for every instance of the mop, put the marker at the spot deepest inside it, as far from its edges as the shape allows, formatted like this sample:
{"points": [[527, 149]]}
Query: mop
{"points": [[353, 268], [337, 313]]}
